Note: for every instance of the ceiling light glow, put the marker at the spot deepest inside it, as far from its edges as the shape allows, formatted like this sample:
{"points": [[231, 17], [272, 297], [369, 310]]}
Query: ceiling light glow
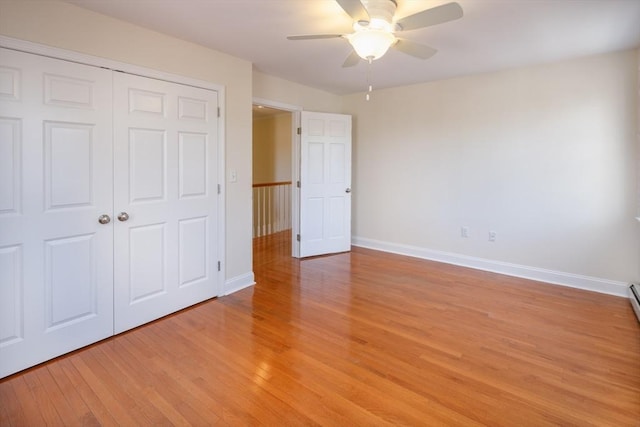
{"points": [[371, 43]]}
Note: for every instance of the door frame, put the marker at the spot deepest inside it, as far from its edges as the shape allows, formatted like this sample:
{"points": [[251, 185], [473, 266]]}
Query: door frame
{"points": [[295, 111], [81, 58]]}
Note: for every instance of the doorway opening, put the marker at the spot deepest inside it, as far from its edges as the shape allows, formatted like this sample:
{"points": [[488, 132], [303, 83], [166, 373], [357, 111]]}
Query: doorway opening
{"points": [[317, 215], [274, 173]]}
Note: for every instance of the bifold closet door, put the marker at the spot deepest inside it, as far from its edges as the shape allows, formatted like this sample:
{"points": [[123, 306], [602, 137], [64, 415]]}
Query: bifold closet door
{"points": [[56, 259], [165, 198]]}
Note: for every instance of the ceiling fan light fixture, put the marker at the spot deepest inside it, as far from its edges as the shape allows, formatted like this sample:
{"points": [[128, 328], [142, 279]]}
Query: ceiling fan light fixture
{"points": [[371, 43]]}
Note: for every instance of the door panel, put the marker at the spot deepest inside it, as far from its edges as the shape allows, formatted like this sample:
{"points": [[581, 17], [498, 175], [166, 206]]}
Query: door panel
{"points": [[325, 172], [337, 212], [11, 296], [193, 250], [56, 261], [147, 262], [166, 149], [67, 165], [70, 286], [10, 165], [147, 154], [192, 168]]}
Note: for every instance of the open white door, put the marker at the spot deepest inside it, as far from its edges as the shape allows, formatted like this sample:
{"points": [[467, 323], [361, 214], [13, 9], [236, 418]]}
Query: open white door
{"points": [[325, 183]]}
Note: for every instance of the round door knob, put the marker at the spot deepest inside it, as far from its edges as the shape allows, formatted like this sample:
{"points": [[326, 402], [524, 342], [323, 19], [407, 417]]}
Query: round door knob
{"points": [[104, 219], [348, 190], [123, 216]]}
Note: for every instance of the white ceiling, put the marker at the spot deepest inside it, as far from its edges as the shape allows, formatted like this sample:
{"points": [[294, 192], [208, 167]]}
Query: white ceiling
{"points": [[492, 35]]}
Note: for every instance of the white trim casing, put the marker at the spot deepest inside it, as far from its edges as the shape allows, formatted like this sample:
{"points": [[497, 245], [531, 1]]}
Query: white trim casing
{"points": [[595, 284]]}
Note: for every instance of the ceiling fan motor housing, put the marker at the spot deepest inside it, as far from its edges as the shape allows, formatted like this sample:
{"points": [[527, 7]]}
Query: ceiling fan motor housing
{"points": [[380, 13]]}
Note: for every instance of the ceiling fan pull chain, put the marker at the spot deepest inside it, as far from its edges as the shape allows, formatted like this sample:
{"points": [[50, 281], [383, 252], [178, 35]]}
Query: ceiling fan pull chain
{"points": [[370, 86]]}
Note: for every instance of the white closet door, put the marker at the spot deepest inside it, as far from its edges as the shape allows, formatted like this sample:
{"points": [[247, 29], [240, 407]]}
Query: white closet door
{"points": [[56, 262], [165, 162]]}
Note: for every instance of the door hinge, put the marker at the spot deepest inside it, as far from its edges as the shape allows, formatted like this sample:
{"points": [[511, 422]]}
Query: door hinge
{"points": [[298, 184], [299, 131], [218, 111], [219, 190], [218, 265], [298, 237]]}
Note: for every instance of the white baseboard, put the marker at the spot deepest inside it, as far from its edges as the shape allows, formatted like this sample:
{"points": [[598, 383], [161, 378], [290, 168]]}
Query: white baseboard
{"points": [[237, 283], [595, 284]]}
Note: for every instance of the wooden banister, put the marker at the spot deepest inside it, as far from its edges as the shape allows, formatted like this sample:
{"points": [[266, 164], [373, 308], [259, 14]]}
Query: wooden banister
{"points": [[271, 184]]}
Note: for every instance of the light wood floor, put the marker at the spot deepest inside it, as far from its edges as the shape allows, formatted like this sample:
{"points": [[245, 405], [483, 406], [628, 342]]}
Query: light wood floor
{"points": [[361, 338]]}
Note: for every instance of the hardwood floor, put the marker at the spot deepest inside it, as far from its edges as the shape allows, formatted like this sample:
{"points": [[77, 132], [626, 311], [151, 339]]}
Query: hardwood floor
{"points": [[361, 338]]}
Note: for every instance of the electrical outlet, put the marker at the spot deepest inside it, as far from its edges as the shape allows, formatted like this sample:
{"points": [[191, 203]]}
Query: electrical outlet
{"points": [[464, 232], [492, 236]]}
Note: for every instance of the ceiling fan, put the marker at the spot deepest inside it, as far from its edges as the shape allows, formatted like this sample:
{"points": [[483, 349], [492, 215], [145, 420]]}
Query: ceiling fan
{"points": [[375, 28]]}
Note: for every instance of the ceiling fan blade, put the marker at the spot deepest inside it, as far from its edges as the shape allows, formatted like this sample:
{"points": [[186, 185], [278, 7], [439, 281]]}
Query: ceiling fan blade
{"points": [[436, 15], [414, 49], [355, 9], [352, 59], [314, 36]]}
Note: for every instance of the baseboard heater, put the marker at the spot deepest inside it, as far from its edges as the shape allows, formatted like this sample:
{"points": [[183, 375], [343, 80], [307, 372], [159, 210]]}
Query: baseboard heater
{"points": [[634, 297]]}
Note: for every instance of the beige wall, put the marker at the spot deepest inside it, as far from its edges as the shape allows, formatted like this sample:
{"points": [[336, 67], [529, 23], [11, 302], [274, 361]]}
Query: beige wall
{"points": [[272, 148], [546, 156], [286, 92], [66, 26]]}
